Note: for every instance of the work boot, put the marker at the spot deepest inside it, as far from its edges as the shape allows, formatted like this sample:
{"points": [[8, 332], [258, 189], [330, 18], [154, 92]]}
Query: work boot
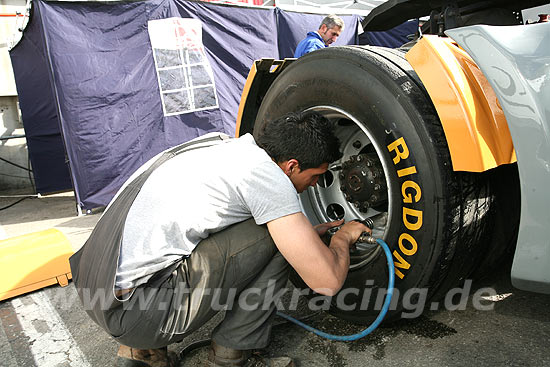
{"points": [[226, 357], [151, 357]]}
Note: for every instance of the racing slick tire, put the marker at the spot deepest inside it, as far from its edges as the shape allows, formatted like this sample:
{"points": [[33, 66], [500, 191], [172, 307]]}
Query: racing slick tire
{"points": [[396, 170]]}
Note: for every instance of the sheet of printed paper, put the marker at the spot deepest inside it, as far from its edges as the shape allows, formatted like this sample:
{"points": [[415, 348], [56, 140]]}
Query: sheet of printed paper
{"points": [[185, 78]]}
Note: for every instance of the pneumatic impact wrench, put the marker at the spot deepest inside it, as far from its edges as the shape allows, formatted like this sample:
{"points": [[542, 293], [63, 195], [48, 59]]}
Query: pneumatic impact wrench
{"points": [[365, 237]]}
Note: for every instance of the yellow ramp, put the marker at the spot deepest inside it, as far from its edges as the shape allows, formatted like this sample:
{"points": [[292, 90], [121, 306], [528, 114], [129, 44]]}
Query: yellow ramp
{"points": [[34, 261]]}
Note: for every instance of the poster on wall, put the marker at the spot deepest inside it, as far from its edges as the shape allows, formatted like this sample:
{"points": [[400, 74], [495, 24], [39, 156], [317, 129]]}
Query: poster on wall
{"points": [[185, 77]]}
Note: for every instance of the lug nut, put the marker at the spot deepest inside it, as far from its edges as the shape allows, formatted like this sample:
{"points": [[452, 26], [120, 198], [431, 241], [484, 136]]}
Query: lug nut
{"points": [[377, 187], [357, 144], [373, 198]]}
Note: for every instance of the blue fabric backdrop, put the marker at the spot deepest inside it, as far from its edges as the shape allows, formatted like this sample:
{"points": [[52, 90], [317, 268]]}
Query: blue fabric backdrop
{"points": [[100, 85], [395, 37], [39, 112]]}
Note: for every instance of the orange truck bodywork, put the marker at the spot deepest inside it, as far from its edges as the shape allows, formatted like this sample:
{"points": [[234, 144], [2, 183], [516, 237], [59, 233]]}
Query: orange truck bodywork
{"points": [[473, 121]]}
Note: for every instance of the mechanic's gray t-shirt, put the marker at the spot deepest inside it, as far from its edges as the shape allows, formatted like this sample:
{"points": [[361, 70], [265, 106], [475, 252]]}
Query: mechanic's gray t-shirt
{"points": [[197, 193]]}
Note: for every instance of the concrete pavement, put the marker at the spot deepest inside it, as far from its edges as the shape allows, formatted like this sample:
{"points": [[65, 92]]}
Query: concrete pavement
{"points": [[49, 328]]}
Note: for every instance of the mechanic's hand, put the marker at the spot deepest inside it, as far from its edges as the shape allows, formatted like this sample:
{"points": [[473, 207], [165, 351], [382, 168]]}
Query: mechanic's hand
{"points": [[324, 227], [351, 231]]}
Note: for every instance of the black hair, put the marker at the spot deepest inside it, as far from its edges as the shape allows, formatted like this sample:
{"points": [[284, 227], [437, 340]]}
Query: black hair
{"points": [[307, 137]]}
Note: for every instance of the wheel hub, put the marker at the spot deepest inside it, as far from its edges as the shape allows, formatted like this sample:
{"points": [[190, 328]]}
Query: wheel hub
{"points": [[362, 181]]}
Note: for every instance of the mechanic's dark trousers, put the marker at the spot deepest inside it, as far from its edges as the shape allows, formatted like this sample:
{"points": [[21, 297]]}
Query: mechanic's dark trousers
{"points": [[239, 266]]}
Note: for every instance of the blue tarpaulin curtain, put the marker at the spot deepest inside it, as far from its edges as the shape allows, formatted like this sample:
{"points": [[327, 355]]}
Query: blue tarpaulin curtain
{"points": [[88, 69], [39, 111], [395, 37]]}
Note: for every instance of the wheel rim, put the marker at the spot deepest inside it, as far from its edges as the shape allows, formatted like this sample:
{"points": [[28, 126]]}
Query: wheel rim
{"points": [[354, 187]]}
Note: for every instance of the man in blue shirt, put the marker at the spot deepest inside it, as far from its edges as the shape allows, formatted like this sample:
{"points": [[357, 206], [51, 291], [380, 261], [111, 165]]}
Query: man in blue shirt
{"points": [[328, 32]]}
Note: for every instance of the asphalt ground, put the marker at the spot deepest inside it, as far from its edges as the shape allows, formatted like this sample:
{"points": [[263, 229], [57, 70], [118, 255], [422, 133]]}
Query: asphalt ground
{"points": [[48, 327]]}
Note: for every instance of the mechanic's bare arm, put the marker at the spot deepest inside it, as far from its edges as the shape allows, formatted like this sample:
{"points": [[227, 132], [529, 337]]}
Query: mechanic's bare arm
{"points": [[322, 268]]}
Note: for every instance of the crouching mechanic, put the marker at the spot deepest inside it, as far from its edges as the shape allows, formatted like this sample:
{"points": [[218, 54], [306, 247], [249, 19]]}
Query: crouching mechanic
{"points": [[202, 225]]}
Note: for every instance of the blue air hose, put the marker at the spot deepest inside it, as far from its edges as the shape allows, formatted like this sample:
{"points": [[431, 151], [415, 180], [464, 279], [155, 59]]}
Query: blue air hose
{"points": [[375, 323]]}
